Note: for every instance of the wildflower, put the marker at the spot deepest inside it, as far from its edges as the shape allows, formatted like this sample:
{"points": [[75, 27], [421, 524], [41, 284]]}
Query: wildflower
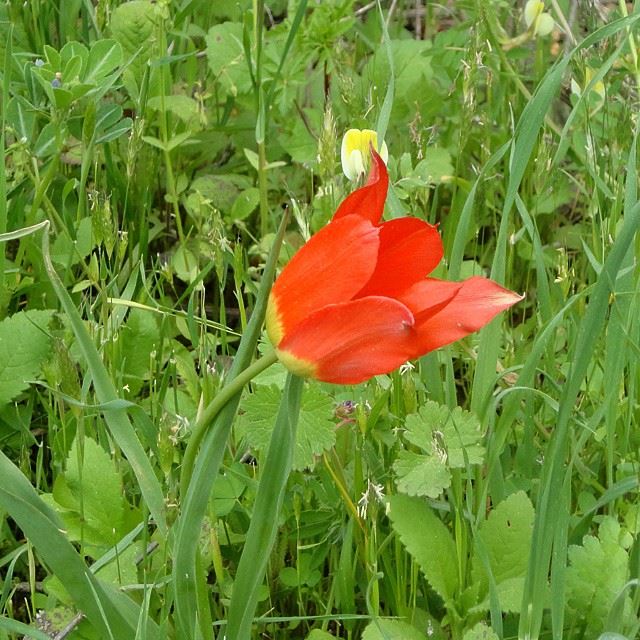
{"points": [[355, 151], [374, 493], [355, 301], [537, 20], [597, 88]]}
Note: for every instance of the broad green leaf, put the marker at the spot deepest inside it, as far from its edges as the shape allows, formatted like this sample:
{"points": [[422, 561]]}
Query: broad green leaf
{"points": [[48, 141], [89, 498], [318, 634], [435, 166], [21, 117], [428, 540], [480, 632], [420, 475], [454, 434], [316, 428], [184, 107], [140, 338], [245, 204], [24, 346], [506, 537], [228, 489], [448, 439], [597, 573], [66, 251], [226, 57], [104, 57], [391, 630], [132, 25], [111, 612], [222, 190]]}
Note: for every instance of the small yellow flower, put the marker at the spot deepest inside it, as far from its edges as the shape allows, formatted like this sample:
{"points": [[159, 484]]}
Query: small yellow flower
{"points": [[536, 19], [597, 88], [355, 154]]}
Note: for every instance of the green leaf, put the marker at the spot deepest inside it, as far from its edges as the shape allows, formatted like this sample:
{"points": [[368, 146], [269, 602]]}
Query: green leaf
{"points": [[140, 337], [226, 57], [316, 428], [24, 346], [480, 632], [318, 634], [428, 540], [419, 475], [436, 165], [184, 107], [21, 117], [48, 141], [116, 419], [104, 57], [597, 573], [438, 429], [391, 630], [227, 490], [132, 25], [245, 204], [89, 498], [111, 612], [506, 538], [448, 439], [222, 190]]}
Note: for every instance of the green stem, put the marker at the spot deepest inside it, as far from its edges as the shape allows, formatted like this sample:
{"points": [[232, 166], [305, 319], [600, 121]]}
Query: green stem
{"points": [[212, 410], [632, 43], [262, 186]]}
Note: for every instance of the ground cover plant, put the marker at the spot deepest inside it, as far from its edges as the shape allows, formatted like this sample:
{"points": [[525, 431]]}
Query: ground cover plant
{"points": [[164, 475]]}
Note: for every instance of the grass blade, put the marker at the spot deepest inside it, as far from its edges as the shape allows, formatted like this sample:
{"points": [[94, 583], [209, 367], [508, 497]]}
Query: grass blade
{"points": [[264, 520], [208, 461], [117, 420]]}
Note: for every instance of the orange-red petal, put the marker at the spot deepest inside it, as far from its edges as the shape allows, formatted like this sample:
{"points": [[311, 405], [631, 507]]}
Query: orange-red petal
{"points": [[331, 268], [409, 250], [368, 201], [476, 302], [351, 342]]}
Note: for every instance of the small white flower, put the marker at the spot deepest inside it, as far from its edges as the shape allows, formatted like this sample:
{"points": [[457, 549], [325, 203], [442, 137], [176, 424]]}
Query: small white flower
{"points": [[373, 492], [406, 367]]}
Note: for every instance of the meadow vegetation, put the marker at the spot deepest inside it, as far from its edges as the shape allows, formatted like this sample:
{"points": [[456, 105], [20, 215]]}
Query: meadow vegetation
{"points": [[162, 162]]}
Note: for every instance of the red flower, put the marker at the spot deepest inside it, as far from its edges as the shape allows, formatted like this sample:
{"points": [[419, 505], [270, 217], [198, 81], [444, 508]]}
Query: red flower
{"points": [[355, 301]]}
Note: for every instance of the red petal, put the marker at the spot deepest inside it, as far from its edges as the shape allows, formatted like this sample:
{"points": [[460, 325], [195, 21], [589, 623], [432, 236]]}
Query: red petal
{"points": [[474, 305], [429, 296], [332, 267], [351, 342], [409, 250], [368, 201]]}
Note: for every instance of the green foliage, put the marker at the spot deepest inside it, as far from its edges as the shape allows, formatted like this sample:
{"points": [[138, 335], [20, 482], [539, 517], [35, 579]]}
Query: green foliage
{"points": [[447, 440], [427, 539], [95, 513], [505, 537], [161, 142], [316, 429], [226, 57], [480, 632], [391, 630], [25, 343], [597, 574]]}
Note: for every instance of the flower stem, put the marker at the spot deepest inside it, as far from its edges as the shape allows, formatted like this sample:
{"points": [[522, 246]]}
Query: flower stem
{"points": [[211, 411]]}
